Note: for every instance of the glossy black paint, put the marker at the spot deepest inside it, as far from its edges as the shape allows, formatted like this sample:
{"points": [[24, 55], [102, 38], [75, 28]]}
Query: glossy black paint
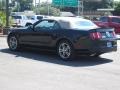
{"points": [[80, 39]]}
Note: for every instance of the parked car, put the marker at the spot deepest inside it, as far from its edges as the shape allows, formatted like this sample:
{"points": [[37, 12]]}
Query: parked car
{"points": [[21, 21], [36, 18], [67, 35], [109, 21]]}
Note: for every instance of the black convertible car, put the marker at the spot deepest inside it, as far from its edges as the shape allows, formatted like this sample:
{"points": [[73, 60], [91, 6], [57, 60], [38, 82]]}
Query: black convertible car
{"points": [[67, 35]]}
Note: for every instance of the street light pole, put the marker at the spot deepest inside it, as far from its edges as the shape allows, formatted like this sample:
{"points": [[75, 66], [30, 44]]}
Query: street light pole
{"points": [[35, 7], [48, 8], [7, 13], [78, 8], [82, 7], [39, 6]]}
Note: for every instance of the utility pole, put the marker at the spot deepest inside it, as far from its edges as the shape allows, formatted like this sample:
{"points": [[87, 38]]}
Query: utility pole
{"points": [[39, 2], [48, 6], [35, 6], [82, 7], [78, 8], [48, 9], [7, 13], [39, 6]]}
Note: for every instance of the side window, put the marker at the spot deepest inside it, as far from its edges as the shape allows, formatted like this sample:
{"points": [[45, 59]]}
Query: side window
{"points": [[41, 24], [46, 24], [104, 19], [116, 20], [56, 26]]}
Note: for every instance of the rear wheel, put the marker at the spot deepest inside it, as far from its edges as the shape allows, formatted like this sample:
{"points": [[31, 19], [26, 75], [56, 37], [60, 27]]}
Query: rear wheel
{"points": [[65, 50], [13, 43]]}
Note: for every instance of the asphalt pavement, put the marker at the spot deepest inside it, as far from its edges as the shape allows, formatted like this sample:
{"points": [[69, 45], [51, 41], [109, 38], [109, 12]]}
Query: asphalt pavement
{"points": [[33, 70]]}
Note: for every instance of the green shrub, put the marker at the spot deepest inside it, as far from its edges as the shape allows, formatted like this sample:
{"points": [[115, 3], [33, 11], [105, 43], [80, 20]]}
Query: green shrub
{"points": [[3, 19]]}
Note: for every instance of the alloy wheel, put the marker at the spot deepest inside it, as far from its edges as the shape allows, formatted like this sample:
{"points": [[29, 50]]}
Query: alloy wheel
{"points": [[64, 50], [13, 43]]}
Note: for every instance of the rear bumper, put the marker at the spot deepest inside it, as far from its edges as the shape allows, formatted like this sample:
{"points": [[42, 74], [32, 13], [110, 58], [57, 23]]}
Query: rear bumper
{"points": [[97, 50], [103, 49], [99, 46]]}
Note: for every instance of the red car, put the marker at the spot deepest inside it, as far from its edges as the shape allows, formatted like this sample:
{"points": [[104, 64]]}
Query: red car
{"points": [[109, 21]]}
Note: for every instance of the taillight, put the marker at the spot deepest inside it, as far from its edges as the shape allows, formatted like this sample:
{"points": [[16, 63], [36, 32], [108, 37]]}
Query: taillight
{"points": [[95, 35]]}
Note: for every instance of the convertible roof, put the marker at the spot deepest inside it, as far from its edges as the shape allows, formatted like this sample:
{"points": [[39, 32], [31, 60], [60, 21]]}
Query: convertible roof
{"points": [[67, 19], [65, 22]]}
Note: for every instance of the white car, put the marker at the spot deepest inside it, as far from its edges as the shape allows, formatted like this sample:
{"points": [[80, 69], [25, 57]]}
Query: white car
{"points": [[21, 21], [36, 18]]}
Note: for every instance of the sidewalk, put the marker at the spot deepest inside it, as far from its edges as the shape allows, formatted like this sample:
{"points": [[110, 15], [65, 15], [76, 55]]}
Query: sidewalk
{"points": [[1, 35]]}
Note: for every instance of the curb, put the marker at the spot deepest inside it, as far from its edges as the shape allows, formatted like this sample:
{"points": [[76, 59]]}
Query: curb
{"points": [[1, 35]]}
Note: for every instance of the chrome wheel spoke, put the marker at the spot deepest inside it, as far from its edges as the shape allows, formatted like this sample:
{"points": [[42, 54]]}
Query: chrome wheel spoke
{"points": [[67, 53], [64, 50], [13, 43]]}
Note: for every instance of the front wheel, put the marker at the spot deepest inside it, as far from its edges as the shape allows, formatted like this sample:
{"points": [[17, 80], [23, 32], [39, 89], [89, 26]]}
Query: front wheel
{"points": [[65, 50], [13, 43]]}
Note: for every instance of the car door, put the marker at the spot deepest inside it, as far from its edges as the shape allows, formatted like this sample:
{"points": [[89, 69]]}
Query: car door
{"points": [[115, 23], [43, 33]]}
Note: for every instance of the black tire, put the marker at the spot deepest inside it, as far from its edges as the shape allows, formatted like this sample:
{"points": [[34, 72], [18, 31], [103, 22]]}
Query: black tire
{"points": [[13, 43], [67, 53]]}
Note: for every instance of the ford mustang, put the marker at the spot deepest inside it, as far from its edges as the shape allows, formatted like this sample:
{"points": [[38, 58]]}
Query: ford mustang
{"points": [[67, 35]]}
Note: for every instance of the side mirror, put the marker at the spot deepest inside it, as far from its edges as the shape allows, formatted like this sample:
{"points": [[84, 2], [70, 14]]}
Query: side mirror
{"points": [[28, 24], [31, 27]]}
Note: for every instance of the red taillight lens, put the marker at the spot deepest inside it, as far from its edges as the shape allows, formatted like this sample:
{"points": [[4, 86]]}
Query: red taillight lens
{"points": [[95, 35]]}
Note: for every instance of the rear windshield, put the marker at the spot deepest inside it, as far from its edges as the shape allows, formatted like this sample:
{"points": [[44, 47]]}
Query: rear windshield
{"points": [[39, 17], [83, 25], [16, 17]]}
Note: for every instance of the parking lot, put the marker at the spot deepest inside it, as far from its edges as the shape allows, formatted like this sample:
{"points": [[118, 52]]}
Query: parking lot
{"points": [[33, 70]]}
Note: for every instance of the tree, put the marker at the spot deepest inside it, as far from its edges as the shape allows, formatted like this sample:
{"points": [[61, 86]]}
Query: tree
{"points": [[92, 5], [117, 9], [24, 4], [2, 19], [47, 9], [2, 5]]}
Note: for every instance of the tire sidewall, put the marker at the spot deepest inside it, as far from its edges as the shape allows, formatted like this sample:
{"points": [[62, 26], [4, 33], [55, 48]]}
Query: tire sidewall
{"points": [[17, 47], [71, 50]]}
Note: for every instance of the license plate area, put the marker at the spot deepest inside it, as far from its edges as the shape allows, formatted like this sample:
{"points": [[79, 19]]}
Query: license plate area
{"points": [[109, 44]]}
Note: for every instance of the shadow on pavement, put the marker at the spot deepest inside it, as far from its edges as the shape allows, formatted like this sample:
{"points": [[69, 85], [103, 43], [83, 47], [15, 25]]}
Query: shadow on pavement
{"points": [[51, 57]]}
